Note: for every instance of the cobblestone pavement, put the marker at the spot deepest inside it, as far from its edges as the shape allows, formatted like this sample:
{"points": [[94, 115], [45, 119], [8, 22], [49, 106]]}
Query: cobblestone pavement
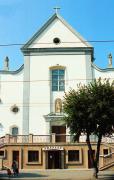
{"points": [[58, 175]]}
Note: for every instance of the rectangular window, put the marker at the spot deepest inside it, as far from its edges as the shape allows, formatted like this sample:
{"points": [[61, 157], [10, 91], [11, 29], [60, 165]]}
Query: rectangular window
{"points": [[105, 151], [14, 131], [73, 155], [58, 83], [33, 156], [1, 153]]}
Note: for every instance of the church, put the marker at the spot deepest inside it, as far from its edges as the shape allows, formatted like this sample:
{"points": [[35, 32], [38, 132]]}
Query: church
{"points": [[32, 130]]}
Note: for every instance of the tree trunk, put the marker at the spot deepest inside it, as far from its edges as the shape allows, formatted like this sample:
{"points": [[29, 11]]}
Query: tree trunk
{"points": [[97, 154], [90, 150], [91, 156], [95, 162]]}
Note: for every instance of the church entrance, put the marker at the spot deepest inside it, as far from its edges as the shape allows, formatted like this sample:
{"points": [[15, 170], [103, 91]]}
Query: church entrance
{"points": [[54, 159], [60, 132]]}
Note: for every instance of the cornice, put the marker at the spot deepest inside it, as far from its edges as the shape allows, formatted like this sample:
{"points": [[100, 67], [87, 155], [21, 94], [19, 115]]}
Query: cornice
{"points": [[12, 72], [102, 70]]}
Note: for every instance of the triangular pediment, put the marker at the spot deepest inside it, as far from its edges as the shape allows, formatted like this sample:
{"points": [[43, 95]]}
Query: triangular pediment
{"points": [[56, 27]]}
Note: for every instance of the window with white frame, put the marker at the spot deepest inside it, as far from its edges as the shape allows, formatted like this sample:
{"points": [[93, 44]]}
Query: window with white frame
{"points": [[58, 79]]}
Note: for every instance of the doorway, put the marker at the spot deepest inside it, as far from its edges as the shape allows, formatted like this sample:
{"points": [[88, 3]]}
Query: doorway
{"points": [[15, 156], [60, 132], [54, 159]]}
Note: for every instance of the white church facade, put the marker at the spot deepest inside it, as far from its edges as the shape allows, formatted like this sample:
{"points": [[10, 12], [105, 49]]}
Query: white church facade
{"points": [[32, 129]]}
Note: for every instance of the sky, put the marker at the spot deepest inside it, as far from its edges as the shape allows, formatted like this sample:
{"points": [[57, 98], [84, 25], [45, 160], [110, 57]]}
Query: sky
{"points": [[20, 19]]}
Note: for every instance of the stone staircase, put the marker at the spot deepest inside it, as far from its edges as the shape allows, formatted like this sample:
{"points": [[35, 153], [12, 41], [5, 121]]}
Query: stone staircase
{"points": [[107, 166], [108, 159]]}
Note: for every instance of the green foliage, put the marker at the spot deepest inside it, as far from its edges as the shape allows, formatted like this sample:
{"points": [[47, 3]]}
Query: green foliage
{"points": [[90, 109]]}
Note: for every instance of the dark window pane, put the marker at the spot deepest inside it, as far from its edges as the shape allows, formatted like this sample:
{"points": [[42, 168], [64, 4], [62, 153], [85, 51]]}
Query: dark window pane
{"points": [[61, 88], [61, 83], [58, 80], [61, 72], [15, 131], [54, 88], [55, 83], [1, 153], [61, 77], [55, 78], [105, 151], [33, 156], [54, 72], [73, 155]]}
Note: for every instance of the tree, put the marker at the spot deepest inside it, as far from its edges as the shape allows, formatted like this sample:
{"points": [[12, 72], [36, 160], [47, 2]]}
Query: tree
{"points": [[90, 110]]}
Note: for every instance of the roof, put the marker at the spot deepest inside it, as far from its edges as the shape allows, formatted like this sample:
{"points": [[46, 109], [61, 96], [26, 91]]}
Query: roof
{"points": [[40, 31]]}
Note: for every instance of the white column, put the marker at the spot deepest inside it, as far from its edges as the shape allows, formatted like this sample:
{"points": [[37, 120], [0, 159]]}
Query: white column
{"points": [[26, 95]]}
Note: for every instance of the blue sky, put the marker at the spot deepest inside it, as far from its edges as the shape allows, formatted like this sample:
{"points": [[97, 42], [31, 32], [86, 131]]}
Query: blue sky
{"points": [[20, 19]]}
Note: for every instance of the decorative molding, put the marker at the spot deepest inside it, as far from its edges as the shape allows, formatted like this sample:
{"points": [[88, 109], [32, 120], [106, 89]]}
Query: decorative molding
{"points": [[102, 70], [12, 72], [59, 49], [57, 67]]}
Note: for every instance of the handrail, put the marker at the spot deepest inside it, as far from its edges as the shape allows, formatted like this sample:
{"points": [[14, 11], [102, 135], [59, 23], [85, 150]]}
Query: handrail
{"points": [[106, 155], [2, 139], [106, 166]]}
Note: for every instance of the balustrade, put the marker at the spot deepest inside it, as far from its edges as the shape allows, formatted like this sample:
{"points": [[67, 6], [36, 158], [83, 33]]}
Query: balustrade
{"points": [[52, 138]]}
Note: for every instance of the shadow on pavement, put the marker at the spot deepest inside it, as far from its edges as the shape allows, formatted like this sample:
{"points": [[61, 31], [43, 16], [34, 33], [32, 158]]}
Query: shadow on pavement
{"points": [[22, 175], [106, 176]]}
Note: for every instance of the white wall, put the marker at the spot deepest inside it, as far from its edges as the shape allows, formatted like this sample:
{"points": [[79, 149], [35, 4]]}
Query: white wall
{"points": [[11, 92], [40, 87], [106, 73], [60, 30]]}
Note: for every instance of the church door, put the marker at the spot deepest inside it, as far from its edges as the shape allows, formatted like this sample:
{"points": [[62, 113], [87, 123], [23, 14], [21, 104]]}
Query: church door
{"points": [[54, 159], [60, 132]]}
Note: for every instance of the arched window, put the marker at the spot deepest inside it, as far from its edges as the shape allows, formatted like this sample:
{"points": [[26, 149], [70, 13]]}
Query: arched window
{"points": [[14, 131], [58, 105]]}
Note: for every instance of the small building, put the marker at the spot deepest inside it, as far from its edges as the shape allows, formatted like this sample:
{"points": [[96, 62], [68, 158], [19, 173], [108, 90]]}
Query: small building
{"points": [[32, 128]]}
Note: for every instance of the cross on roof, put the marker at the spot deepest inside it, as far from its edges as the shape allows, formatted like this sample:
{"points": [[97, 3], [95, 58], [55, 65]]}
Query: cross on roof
{"points": [[56, 9]]}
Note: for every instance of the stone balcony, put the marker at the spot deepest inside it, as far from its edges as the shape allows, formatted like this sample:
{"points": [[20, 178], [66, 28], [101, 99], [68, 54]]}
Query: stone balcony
{"points": [[51, 138]]}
